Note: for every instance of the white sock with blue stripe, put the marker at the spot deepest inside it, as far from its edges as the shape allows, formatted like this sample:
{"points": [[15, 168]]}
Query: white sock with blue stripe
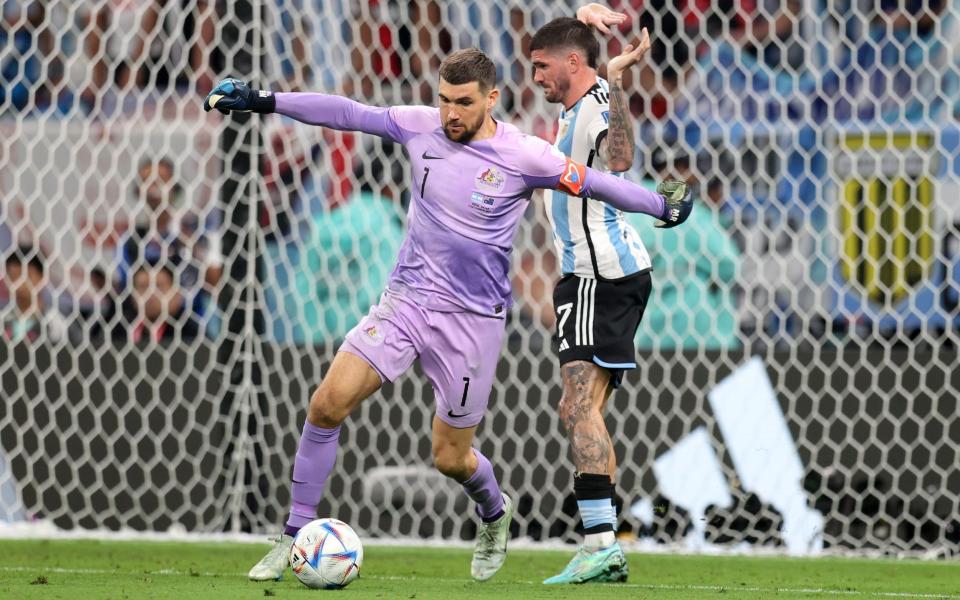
{"points": [[598, 512]]}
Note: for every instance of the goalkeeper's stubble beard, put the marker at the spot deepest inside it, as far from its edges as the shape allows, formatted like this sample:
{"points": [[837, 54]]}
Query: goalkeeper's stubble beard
{"points": [[462, 132]]}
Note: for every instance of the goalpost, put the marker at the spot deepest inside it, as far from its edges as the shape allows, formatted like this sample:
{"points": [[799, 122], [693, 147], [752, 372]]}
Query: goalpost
{"points": [[799, 392]]}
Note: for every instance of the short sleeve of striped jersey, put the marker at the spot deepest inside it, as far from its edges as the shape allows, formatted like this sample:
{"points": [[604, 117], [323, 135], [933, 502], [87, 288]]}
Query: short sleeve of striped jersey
{"points": [[597, 115]]}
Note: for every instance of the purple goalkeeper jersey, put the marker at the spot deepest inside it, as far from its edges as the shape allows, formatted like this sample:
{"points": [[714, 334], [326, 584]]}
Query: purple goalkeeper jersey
{"points": [[467, 199], [467, 202]]}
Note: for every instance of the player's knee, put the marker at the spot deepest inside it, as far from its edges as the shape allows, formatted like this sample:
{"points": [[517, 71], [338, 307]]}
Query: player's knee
{"points": [[451, 462], [573, 407], [328, 408]]}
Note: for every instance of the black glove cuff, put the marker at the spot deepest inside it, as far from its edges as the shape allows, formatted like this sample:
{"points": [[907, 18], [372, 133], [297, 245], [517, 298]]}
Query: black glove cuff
{"points": [[263, 102]]}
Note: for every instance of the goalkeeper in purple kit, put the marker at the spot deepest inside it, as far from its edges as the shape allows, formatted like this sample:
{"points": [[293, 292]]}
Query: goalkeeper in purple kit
{"points": [[449, 292]]}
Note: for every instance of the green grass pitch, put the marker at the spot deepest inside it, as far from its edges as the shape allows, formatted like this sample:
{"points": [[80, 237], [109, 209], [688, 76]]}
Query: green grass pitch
{"points": [[90, 570]]}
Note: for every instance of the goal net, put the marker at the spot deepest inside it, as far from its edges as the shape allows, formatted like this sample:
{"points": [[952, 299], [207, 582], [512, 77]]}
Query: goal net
{"points": [[176, 283]]}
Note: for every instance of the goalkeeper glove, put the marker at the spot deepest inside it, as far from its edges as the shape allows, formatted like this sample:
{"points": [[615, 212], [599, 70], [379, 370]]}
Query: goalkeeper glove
{"points": [[233, 94], [677, 203]]}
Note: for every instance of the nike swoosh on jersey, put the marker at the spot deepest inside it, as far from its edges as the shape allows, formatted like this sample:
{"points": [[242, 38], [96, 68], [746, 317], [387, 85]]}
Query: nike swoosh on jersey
{"points": [[454, 415], [426, 156]]}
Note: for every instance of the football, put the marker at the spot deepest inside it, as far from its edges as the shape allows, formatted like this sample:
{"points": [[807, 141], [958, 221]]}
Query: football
{"points": [[326, 554]]}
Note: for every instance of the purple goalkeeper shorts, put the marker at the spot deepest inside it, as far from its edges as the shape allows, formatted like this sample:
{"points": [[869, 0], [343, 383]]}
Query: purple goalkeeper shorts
{"points": [[458, 352]]}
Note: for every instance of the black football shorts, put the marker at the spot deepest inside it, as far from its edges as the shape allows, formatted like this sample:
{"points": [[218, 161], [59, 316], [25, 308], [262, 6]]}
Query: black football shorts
{"points": [[597, 320]]}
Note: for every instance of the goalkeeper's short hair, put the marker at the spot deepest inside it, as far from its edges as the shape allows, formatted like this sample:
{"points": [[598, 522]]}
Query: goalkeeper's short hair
{"points": [[470, 64]]}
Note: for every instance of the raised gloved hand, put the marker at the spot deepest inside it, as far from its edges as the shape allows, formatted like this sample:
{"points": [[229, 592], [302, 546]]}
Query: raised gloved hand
{"points": [[233, 94]]}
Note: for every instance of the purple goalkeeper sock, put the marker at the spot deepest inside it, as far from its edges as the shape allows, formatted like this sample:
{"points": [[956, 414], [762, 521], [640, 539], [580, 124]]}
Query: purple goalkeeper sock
{"points": [[482, 487], [316, 456]]}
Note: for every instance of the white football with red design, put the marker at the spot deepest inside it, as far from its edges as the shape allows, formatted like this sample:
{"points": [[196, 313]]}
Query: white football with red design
{"points": [[326, 554]]}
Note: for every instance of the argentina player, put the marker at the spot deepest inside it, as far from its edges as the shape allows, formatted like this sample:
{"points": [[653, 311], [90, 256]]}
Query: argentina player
{"points": [[605, 275]]}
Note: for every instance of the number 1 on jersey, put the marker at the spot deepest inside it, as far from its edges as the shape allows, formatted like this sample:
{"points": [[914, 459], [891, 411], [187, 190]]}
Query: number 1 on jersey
{"points": [[423, 184]]}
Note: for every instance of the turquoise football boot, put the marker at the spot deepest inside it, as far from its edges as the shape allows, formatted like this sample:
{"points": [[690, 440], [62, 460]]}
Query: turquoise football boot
{"points": [[606, 565]]}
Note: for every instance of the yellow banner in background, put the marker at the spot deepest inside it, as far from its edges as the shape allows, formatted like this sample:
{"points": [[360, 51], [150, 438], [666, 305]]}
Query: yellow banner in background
{"points": [[886, 212]]}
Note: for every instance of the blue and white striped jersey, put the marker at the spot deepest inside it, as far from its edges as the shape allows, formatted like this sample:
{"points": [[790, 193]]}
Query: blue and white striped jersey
{"points": [[592, 238]]}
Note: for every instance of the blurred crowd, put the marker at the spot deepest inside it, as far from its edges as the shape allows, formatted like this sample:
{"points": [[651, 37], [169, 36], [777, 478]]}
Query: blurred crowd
{"points": [[737, 98], [165, 268]]}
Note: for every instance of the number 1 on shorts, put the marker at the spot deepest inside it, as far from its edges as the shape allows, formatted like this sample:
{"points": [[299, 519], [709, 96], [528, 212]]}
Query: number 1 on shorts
{"points": [[466, 386]]}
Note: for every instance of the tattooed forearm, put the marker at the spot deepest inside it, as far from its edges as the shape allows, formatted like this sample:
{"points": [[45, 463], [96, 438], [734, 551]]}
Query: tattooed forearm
{"points": [[619, 141]]}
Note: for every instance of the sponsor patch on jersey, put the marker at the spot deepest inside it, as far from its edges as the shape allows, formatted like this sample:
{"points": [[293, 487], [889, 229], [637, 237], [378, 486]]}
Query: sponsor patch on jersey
{"points": [[481, 202], [571, 182], [489, 178], [371, 334]]}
